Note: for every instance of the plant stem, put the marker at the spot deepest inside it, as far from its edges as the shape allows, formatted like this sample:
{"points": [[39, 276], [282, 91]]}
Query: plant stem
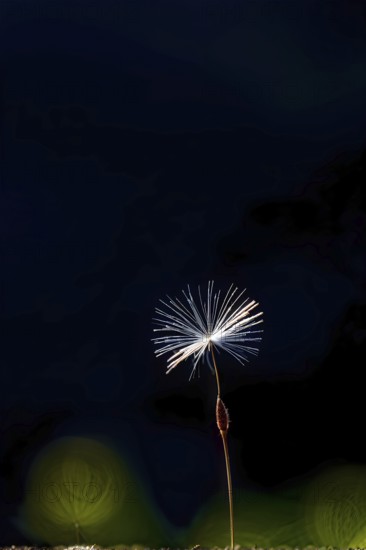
{"points": [[222, 419], [229, 486], [216, 372]]}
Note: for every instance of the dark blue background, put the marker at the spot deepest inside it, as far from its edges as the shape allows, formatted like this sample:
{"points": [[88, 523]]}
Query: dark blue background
{"points": [[149, 144]]}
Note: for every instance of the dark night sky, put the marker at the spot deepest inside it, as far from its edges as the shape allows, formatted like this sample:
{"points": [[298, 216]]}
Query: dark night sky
{"points": [[147, 144]]}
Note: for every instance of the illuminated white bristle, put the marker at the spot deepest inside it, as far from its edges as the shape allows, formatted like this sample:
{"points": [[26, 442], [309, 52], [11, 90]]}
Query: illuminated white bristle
{"points": [[193, 327]]}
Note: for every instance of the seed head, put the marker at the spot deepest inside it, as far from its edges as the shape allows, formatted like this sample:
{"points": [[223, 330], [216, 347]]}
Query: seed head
{"points": [[222, 416]]}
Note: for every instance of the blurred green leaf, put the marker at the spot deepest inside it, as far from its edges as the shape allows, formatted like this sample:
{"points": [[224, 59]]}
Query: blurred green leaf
{"points": [[80, 490], [261, 519], [335, 506]]}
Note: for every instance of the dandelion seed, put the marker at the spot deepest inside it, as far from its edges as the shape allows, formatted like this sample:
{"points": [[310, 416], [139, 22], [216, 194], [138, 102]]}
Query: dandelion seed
{"points": [[194, 329], [189, 328]]}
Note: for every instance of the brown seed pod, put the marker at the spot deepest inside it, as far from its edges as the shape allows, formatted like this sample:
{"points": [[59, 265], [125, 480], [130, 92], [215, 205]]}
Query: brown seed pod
{"points": [[222, 416]]}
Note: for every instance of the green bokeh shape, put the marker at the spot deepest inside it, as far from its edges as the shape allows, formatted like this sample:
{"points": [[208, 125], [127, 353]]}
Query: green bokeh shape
{"points": [[261, 519], [335, 507], [80, 480]]}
